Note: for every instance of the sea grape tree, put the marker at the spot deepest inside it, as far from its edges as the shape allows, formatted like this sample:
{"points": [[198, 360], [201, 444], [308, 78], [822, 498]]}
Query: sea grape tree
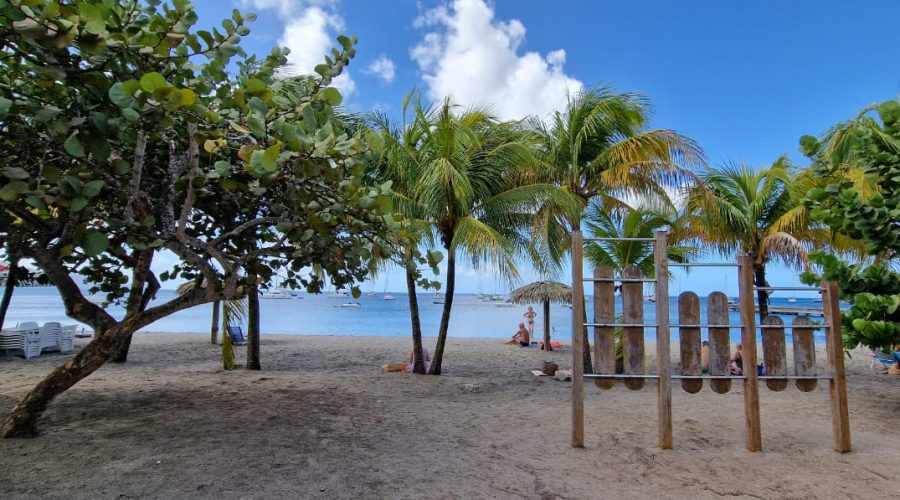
{"points": [[861, 161], [126, 133]]}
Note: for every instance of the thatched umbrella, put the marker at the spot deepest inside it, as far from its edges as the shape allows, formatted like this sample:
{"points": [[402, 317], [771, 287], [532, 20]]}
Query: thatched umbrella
{"points": [[545, 292]]}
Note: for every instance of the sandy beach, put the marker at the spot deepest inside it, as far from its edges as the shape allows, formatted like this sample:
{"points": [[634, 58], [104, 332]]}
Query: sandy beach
{"points": [[321, 421]]}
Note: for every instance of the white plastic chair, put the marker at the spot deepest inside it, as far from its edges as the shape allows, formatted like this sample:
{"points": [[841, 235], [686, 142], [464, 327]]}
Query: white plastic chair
{"points": [[67, 338], [50, 336], [25, 337]]}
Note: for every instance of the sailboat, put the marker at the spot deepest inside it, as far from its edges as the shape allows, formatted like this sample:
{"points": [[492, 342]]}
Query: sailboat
{"points": [[387, 296], [437, 298]]}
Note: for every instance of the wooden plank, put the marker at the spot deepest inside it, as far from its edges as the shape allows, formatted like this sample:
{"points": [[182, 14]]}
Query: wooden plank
{"points": [[577, 341], [604, 337], [664, 364], [804, 353], [633, 337], [689, 314], [774, 356], [837, 386], [753, 432], [719, 341]]}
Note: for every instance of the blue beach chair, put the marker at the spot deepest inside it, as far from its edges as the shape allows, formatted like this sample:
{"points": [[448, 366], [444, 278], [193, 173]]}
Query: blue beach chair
{"points": [[237, 334]]}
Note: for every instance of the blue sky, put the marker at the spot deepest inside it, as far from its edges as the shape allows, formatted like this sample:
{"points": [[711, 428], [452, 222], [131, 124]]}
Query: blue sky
{"points": [[744, 79]]}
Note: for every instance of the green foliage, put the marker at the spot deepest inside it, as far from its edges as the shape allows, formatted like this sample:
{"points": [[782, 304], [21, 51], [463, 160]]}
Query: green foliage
{"points": [[125, 136], [873, 319], [634, 223], [861, 159], [860, 162]]}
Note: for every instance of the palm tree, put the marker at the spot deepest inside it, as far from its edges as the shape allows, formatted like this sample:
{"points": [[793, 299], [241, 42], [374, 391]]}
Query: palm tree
{"points": [[637, 222], [600, 149], [756, 213], [468, 176], [399, 164]]}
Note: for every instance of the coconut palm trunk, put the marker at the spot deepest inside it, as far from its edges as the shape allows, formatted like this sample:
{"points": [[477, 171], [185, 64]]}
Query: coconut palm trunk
{"points": [[445, 315], [418, 361], [214, 328], [762, 296]]}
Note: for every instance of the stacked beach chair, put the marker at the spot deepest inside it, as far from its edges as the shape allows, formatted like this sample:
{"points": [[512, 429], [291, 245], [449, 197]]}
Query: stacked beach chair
{"points": [[26, 338]]}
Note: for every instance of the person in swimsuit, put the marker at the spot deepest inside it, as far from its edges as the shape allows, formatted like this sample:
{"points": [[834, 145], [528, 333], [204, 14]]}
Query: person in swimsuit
{"points": [[530, 315], [521, 337], [737, 362], [704, 357]]}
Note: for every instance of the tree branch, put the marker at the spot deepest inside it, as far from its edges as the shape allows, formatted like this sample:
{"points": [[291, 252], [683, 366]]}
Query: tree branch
{"points": [[193, 165], [137, 169]]}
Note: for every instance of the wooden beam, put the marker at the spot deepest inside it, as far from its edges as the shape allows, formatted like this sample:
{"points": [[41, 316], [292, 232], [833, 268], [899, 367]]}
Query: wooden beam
{"points": [[840, 417], [719, 341], [748, 341], [664, 387], [577, 341]]}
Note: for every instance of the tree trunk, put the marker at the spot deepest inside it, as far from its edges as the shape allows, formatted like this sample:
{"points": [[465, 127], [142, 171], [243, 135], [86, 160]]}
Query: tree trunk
{"points": [[9, 287], [214, 328], [418, 362], [547, 326], [445, 316], [253, 328], [762, 296], [22, 422]]}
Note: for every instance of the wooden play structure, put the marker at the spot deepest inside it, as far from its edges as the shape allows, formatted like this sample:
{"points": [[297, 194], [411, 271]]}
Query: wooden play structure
{"points": [[689, 325]]}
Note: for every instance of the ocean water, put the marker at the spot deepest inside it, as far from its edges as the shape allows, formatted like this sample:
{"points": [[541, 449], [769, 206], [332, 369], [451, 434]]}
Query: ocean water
{"points": [[323, 315]]}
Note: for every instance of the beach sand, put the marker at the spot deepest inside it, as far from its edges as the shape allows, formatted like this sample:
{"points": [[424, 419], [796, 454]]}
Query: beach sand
{"points": [[321, 421]]}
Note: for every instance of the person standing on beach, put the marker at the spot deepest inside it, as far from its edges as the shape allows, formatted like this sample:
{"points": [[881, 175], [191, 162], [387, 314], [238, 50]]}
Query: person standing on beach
{"points": [[530, 315]]}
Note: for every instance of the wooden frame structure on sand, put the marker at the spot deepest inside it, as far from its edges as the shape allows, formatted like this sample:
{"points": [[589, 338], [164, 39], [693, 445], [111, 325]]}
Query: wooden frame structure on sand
{"points": [[689, 323]]}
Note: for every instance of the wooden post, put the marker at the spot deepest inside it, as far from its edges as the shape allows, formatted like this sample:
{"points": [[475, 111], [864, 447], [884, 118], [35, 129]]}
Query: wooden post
{"points": [[748, 339], [664, 388], [840, 417], [604, 336], [577, 341]]}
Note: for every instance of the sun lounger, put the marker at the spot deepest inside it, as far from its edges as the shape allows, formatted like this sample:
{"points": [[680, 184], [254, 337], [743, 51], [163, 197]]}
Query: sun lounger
{"points": [[25, 337], [883, 358], [67, 338], [237, 334], [49, 333]]}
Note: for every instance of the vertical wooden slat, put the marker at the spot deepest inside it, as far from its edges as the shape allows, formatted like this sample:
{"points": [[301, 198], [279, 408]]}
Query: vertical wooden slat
{"points": [[748, 341], [719, 341], [837, 386], [804, 353], [774, 356], [633, 312], [664, 364], [689, 314], [604, 337], [577, 342]]}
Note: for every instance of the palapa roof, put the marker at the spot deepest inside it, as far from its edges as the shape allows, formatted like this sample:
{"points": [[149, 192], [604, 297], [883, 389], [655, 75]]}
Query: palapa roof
{"points": [[541, 291]]}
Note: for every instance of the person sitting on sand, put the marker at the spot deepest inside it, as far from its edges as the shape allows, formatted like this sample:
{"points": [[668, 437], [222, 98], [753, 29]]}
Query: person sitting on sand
{"points": [[704, 357], [521, 337], [408, 366], [530, 315], [737, 362]]}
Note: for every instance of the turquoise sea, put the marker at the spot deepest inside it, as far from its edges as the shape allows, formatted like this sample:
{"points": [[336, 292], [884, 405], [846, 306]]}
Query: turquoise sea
{"points": [[324, 315]]}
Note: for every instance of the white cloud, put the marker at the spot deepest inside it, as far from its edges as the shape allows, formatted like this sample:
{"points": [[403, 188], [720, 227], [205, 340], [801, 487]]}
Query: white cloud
{"points": [[382, 68], [310, 32], [475, 59]]}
